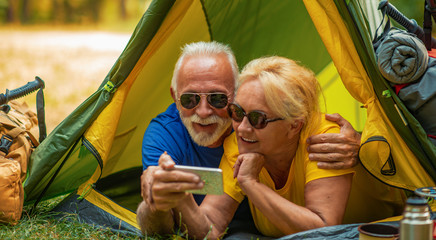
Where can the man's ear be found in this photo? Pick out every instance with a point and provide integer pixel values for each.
(173, 94)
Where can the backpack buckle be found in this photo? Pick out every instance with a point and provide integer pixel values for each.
(5, 108)
(5, 143)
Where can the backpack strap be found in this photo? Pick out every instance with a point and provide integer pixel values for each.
(32, 139)
(7, 139)
(429, 12)
(40, 112)
(427, 26)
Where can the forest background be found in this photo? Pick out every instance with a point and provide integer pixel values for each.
(110, 13)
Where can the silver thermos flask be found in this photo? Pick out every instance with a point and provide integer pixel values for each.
(416, 223)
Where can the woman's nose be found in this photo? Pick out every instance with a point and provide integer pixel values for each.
(245, 125)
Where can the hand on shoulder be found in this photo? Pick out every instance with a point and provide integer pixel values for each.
(335, 150)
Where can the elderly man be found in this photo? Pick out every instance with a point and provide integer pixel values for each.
(192, 130)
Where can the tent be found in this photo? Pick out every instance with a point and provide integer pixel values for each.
(95, 153)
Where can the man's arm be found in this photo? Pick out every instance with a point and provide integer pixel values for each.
(168, 192)
(149, 219)
(153, 221)
(335, 150)
(157, 140)
(210, 219)
(161, 190)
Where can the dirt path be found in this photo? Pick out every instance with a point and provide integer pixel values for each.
(71, 63)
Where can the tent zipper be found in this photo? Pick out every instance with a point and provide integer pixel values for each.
(94, 152)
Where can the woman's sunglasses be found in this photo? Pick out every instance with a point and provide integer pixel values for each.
(191, 100)
(257, 119)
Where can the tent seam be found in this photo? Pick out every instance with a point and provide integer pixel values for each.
(207, 20)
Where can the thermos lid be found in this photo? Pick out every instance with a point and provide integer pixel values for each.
(416, 201)
(426, 192)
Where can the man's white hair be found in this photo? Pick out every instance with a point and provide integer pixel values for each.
(204, 49)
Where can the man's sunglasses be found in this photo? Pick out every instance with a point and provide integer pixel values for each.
(191, 100)
(257, 119)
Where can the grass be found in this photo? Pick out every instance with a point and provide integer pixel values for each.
(43, 224)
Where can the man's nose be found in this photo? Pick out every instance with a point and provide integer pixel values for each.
(204, 110)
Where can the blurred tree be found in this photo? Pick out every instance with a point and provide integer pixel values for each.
(55, 11)
(94, 7)
(3, 10)
(106, 12)
(123, 10)
(25, 11)
(11, 10)
(68, 11)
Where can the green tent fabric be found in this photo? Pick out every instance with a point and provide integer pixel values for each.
(95, 153)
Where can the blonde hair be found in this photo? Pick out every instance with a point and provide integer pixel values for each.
(291, 90)
(204, 49)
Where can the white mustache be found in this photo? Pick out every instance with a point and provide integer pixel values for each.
(203, 138)
(204, 121)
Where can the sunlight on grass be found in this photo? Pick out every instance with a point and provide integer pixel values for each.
(43, 224)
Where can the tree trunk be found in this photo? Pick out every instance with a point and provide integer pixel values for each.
(123, 11)
(68, 12)
(25, 13)
(10, 14)
(95, 6)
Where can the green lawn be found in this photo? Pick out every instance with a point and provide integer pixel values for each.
(42, 224)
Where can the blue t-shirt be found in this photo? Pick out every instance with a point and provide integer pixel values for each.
(166, 132)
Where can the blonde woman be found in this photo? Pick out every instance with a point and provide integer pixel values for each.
(265, 158)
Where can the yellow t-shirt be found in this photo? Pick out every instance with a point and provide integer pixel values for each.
(302, 171)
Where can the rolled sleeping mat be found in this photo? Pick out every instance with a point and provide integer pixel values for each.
(402, 57)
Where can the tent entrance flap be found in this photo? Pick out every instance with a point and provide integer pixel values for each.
(89, 211)
(123, 187)
(68, 173)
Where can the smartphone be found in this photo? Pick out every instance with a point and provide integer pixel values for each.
(212, 177)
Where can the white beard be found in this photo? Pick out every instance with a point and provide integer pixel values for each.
(203, 138)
